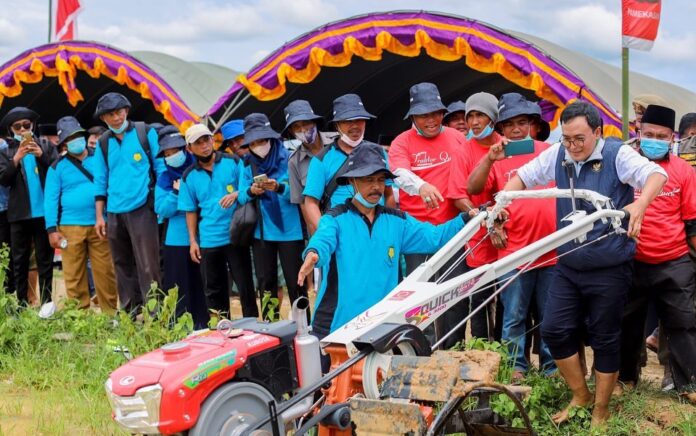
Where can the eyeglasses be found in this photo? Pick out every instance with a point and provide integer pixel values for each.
(26, 125)
(568, 142)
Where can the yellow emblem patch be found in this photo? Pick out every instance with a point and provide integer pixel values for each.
(36, 170)
(230, 189)
(597, 166)
(390, 253)
(137, 157)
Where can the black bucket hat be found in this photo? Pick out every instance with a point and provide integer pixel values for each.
(67, 127)
(513, 104)
(299, 110)
(170, 137)
(257, 126)
(424, 99)
(349, 107)
(367, 159)
(659, 115)
(453, 108)
(109, 102)
(18, 113)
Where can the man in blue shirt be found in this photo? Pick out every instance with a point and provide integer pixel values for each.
(363, 241)
(23, 169)
(70, 219)
(321, 191)
(125, 170)
(208, 194)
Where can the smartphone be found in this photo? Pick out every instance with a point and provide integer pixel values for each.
(27, 136)
(260, 178)
(516, 148)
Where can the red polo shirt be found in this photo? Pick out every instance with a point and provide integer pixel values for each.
(662, 234)
(430, 159)
(462, 166)
(530, 219)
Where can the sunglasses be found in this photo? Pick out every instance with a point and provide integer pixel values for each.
(25, 125)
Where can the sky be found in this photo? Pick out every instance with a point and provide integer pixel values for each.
(240, 33)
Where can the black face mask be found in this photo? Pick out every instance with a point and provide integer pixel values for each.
(205, 159)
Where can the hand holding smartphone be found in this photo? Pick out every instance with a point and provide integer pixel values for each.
(516, 148)
(261, 178)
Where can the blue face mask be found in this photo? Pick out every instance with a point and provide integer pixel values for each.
(654, 149)
(485, 133)
(77, 146)
(176, 160)
(119, 130)
(420, 132)
(358, 196)
(18, 138)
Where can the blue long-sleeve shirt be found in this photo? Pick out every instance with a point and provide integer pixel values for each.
(200, 191)
(69, 192)
(290, 213)
(125, 181)
(363, 257)
(167, 208)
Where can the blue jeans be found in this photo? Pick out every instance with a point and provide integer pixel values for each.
(517, 297)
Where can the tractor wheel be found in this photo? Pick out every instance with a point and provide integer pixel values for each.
(232, 409)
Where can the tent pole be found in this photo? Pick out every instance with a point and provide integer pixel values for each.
(50, 19)
(233, 107)
(624, 93)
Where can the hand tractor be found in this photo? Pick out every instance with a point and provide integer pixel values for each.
(248, 377)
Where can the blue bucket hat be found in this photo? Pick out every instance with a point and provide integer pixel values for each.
(257, 126)
(349, 107)
(68, 126)
(454, 107)
(18, 113)
(232, 129)
(367, 159)
(109, 102)
(299, 110)
(513, 104)
(424, 99)
(170, 137)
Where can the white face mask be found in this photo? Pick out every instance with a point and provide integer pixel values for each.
(345, 138)
(262, 149)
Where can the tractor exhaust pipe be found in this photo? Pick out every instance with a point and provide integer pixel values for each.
(307, 355)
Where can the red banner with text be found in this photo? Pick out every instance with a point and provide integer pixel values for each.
(640, 20)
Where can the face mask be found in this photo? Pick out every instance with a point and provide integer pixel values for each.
(77, 146)
(18, 138)
(307, 136)
(654, 149)
(205, 159)
(345, 138)
(358, 196)
(119, 130)
(485, 133)
(176, 160)
(262, 150)
(420, 132)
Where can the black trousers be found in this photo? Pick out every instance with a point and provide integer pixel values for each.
(266, 255)
(216, 264)
(134, 243)
(448, 320)
(671, 286)
(591, 303)
(22, 234)
(181, 271)
(5, 238)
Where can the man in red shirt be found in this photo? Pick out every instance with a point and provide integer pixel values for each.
(481, 115)
(663, 272)
(421, 159)
(530, 220)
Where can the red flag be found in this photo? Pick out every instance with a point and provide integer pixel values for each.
(66, 16)
(640, 20)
